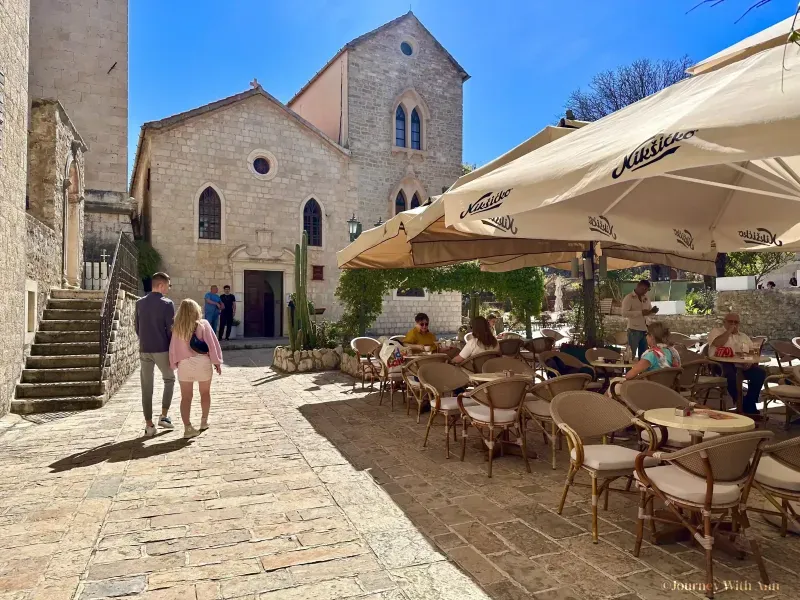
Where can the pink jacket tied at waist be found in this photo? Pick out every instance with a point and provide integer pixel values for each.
(179, 349)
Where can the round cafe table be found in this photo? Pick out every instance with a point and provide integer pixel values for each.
(741, 361)
(485, 377)
(599, 364)
(717, 421)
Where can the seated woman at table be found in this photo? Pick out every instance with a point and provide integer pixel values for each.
(659, 354)
(482, 340)
(420, 336)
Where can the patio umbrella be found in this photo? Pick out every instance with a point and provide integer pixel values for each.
(771, 37)
(707, 164)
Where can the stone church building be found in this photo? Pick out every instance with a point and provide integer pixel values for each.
(63, 163)
(224, 191)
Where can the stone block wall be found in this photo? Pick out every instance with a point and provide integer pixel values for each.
(43, 250)
(123, 357)
(14, 18)
(303, 361)
(688, 324)
(775, 314)
(443, 310)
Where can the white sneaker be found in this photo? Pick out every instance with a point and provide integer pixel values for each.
(165, 423)
(203, 425)
(149, 430)
(190, 432)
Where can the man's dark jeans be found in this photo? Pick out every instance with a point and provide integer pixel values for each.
(754, 376)
(225, 320)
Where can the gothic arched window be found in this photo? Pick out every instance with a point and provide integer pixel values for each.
(312, 222)
(416, 130)
(414, 200)
(399, 203)
(210, 215)
(400, 127)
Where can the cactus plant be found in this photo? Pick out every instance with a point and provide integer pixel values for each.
(302, 330)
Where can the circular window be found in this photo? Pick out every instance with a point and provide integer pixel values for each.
(406, 48)
(261, 165)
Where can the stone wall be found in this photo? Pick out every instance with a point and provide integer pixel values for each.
(775, 314)
(443, 310)
(688, 324)
(106, 215)
(123, 356)
(79, 56)
(303, 361)
(14, 17)
(43, 250)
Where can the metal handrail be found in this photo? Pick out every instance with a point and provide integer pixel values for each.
(123, 276)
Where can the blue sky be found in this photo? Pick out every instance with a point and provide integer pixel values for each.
(524, 56)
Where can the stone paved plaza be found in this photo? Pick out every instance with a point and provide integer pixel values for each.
(304, 488)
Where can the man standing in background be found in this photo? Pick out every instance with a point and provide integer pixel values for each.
(153, 321)
(635, 307)
(228, 312)
(212, 307)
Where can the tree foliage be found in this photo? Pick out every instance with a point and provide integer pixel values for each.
(361, 291)
(756, 263)
(612, 90)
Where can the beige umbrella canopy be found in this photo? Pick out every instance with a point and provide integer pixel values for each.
(710, 163)
(771, 37)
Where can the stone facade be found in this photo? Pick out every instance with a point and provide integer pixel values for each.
(303, 361)
(688, 324)
(14, 16)
(775, 314)
(43, 248)
(333, 143)
(443, 310)
(123, 356)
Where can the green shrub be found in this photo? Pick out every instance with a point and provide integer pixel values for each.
(701, 302)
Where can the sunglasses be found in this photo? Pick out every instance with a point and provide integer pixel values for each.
(423, 324)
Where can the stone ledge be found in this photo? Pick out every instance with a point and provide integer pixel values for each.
(303, 361)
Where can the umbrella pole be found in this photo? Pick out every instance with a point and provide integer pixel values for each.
(589, 324)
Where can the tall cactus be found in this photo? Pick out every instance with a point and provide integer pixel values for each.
(302, 330)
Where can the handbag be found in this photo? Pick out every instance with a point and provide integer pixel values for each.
(724, 352)
(198, 345)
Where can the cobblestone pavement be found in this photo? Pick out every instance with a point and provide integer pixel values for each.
(306, 489)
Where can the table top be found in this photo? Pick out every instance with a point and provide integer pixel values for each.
(725, 422)
(612, 365)
(484, 377)
(742, 360)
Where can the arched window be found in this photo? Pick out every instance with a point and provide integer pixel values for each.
(400, 127)
(416, 130)
(210, 215)
(415, 200)
(312, 222)
(399, 203)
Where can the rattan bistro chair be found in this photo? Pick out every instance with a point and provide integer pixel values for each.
(413, 387)
(474, 364)
(535, 347)
(582, 415)
(669, 378)
(368, 364)
(496, 410)
(537, 406)
(439, 381)
(702, 486)
(778, 480)
(610, 356)
(499, 364)
(571, 362)
(787, 392)
(785, 353)
(511, 347)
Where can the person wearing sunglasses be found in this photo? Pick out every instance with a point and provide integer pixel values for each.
(729, 336)
(420, 335)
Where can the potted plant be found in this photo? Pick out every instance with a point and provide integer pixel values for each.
(149, 263)
(235, 329)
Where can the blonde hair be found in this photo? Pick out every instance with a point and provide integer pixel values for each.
(659, 331)
(186, 320)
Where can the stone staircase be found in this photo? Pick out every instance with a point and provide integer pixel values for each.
(63, 372)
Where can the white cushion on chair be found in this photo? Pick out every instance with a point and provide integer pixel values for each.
(777, 475)
(678, 438)
(787, 391)
(711, 380)
(608, 457)
(537, 406)
(413, 382)
(679, 484)
(480, 412)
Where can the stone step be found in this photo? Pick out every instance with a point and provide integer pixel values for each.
(29, 406)
(77, 294)
(60, 337)
(61, 375)
(62, 389)
(60, 314)
(75, 304)
(68, 348)
(66, 361)
(70, 325)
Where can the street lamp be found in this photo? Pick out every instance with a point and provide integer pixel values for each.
(379, 222)
(354, 226)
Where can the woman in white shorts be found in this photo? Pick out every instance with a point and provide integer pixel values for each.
(194, 351)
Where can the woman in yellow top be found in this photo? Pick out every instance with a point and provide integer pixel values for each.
(420, 335)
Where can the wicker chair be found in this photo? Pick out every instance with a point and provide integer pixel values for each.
(709, 481)
(510, 335)
(581, 415)
(761, 340)
(400, 339)
(438, 382)
(511, 346)
(785, 352)
(499, 364)
(557, 336)
(413, 386)
(618, 339)
(390, 379)
(778, 480)
(642, 395)
(368, 364)
(535, 347)
(572, 362)
(537, 406)
(686, 353)
(496, 410)
(786, 392)
(681, 338)
(667, 377)
(474, 364)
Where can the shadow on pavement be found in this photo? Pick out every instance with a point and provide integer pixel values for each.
(121, 451)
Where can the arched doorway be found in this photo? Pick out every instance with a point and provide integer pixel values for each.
(72, 226)
(262, 305)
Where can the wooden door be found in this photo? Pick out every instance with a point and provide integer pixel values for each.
(254, 304)
(269, 310)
